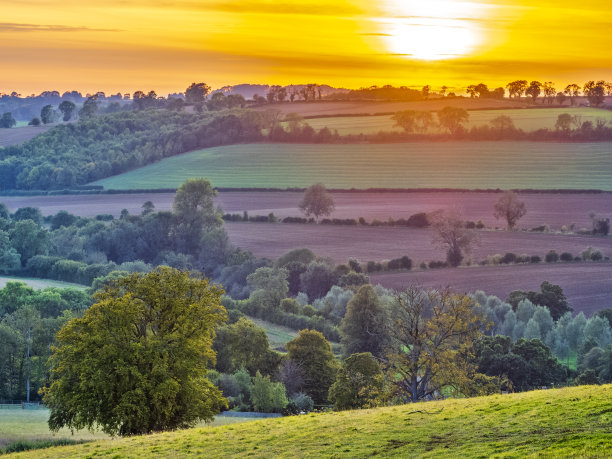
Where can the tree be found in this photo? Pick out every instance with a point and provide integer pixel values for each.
(7, 120)
(47, 114)
(534, 90)
(363, 328)
(450, 233)
(549, 91)
(89, 109)
(67, 108)
(317, 201)
(516, 88)
(503, 124)
(595, 92)
(268, 396)
(136, 361)
(359, 383)
(196, 93)
(317, 280)
(509, 208)
(573, 91)
(34, 122)
(452, 118)
(432, 334)
(313, 354)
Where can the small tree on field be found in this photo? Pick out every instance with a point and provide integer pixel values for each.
(509, 208)
(136, 361)
(452, 118)
(317, 201)
(450, 233)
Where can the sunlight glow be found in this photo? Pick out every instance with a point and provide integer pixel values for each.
(432, 29)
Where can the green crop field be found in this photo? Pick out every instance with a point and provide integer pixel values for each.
(468, 165)
(525, 119)
(572, 422)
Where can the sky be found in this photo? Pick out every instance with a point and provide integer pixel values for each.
(128, 45)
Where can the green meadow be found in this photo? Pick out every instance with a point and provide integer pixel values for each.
(571, 422)
(525, 119)
(39, 283)
(466, 165)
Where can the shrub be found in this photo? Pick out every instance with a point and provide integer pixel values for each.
(566, 256)
(418, 220)
(400, 263)
(551, 257)
(373, 267)
(508, 258)
(303, 402)
(309, 311)
(290, 305)
(535, 259)
(437, 264)
(596, 256)
(540, 229)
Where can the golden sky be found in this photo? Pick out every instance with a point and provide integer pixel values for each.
(126, 45)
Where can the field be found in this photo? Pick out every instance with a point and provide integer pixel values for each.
(572, 422)
(555, 210)
(330, 108)
(380, 243)
(278, 335)
(587, 286)
(525, 119)
(31, 425)
(468, 165)
(20, 134)
(39, 283)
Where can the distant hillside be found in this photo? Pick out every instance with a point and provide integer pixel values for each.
(15, 136)
(571, 422)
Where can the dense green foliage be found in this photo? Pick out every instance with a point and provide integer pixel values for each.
(75, 154)
(136, 362)
(30, 319)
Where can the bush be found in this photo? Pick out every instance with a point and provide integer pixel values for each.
(535, 259)
(508, 258)
(551, 257)
(437, 264)
(566, 256)
(418, 220)
(290, 305)
(373, 267)
(540, 229)
(596, 256)
(400, 263)
(303, 402)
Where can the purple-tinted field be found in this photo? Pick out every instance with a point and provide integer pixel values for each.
(18, 135)
(555, 210)
(383, 243)
(588, 286)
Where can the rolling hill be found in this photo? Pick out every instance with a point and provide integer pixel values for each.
(576, 422)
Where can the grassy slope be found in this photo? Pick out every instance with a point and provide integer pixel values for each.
(31, 425)
(565, 422)
(39, 283)
(528, 120)
(541, 165)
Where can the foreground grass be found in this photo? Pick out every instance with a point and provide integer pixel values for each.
(467, 165)
(575, 422)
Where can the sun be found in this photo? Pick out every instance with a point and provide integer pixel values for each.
(432, 29)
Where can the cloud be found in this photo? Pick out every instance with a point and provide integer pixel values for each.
(16, 27)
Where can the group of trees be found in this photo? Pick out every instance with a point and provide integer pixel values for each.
(451, 119)
(595, 92)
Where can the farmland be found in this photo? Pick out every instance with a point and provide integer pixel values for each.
(525, 119)
(468, 165)
(20, 134)
(380, 243)
(587, 286)
(330, 108)
(571, 422)
(555, 210)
